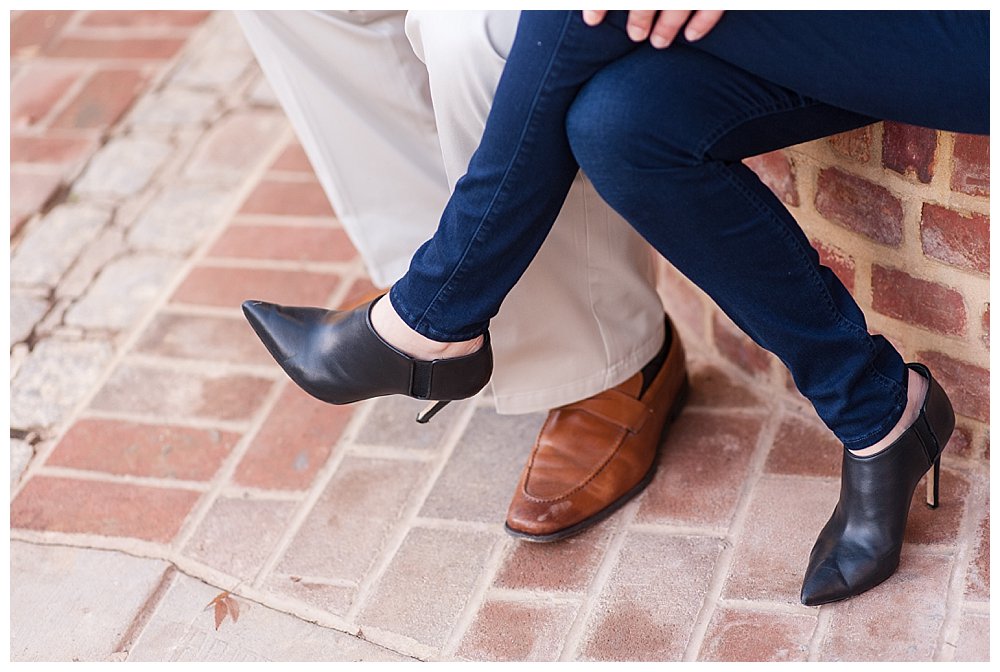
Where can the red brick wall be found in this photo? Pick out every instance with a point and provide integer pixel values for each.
(901, 215)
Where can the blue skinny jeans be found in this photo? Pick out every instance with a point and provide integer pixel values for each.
(661, 134)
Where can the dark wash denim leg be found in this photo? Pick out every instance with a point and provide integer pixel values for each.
(661, 133)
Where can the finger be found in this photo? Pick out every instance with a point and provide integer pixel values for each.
(667, 26)
(701, 23)
(592, 17)
(639, 22)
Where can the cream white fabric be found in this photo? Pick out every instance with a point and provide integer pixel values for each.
(358, 88)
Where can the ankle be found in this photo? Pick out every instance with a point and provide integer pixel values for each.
(391, 328)
(916, 391)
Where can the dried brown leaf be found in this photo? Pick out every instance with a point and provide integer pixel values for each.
(220, 613)
(234, 608)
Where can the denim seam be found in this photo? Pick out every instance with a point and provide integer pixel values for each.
(877, 376)
(422, 325)
(881, 379)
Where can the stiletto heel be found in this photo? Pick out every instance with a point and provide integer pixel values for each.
(431, 410)
(933, 478)
(859, 546)
(338, 357)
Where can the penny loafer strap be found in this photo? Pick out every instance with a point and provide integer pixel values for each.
(617, 408)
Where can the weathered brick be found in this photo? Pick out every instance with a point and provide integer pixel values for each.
(32, 30)
(180, 218)
(37, 89)
(967, 385)
(261, 94)
(53, 379)
(160, 48)
(804, 448)
(159, 451)
(391, 423)
(203, 337)
(336, 599)
(480, 476)
(429, 580)
(856, 144)
(294, 442)
(238, 535)
(712, 386)
(29, 192)
(122, 168)
(649, 615)
(960, 443)
(917, 301)
(216, 69)
(98, 253)
(737, 347)
(144, 18)
(218, 286)
(700, 472)
(776, 171)
(736, 635)
(974, 639)
(216, 65)
(67, 152)
(275, 197)
(290, 243)
(566, 567)
(838, 261)
(514, 631)
(234, 144)
(909, 150)
(166, 393)
(348, 527)
(103, 99)
(941, 525)
(977, 580)
(174, 108)
(772, 548)
(684, 302)
(293, 159)
(970, 173)
(859, 205)
(986, 325)
(905, 613)
(21, 453)
(98, 507)
(122, 292)
(956, 239)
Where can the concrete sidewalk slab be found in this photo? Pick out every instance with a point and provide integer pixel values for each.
(75, 603)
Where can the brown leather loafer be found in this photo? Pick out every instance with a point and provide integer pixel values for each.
(593, 456)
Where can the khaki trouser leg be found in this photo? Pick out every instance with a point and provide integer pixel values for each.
(585, 316)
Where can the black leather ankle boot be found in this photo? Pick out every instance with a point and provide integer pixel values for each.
(338, 357)
(859, 546)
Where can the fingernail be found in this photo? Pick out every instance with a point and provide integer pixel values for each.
(692, 35)
(590, 17)
(636, 33)
(659, 41)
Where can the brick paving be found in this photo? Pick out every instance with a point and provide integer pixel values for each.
(159, 457)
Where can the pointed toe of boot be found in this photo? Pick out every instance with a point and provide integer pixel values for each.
(282, 329)
(824, 583)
